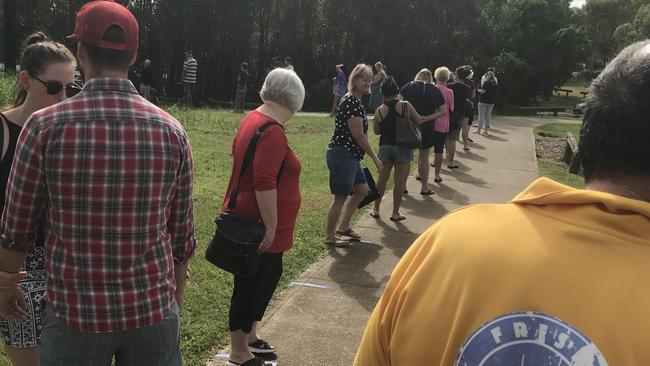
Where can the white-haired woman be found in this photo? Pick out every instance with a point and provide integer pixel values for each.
(376, 98)
(268, 191)
(344, 154)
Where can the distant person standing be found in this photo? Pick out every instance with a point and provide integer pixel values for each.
(276, 62)
(487, 99)
(242, 88)
(189, 78)
(288, 63)
(340, 87)
(485, 76)
(459, 116)
(376, 99)
(443, 122)
(145, 80)
(469, 106)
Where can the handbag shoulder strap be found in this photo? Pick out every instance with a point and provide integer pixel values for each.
(404, 113)
(248, 159)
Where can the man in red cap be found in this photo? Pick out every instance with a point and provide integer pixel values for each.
(110, 175)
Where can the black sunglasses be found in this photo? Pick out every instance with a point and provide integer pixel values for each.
(54, 87)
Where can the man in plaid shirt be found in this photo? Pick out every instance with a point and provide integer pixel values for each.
(110, 175)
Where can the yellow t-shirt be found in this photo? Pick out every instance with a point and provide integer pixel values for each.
(558, 276)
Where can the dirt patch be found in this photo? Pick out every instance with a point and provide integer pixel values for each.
(551, 149)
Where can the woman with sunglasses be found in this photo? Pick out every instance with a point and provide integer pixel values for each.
(46, 77)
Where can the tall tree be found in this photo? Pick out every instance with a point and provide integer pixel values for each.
(9, 15)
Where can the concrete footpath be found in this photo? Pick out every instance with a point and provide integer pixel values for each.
(320, 319)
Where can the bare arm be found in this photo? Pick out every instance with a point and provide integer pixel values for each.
(355, 125)
(378, 114)
(267, 202)
(415, 116)
(440, 111)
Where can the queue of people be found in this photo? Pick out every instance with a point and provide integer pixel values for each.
(448, 109)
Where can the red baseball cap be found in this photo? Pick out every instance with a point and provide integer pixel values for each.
(94, 19)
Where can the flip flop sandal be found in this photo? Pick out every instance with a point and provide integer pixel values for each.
(437, 180)
(337, 243)
(398, 218)
(261, 346)
(466, 148)
(427, 193)
(349, 233)
(373, 214)
(252, 362)
(455, 166)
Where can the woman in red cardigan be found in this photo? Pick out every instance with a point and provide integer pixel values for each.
(269, 191)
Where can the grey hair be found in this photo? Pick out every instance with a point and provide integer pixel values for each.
(284, 87)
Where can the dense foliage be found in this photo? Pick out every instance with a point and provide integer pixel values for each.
(535, 44)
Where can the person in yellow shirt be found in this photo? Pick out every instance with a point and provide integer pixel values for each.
(557, 276)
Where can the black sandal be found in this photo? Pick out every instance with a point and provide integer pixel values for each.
(455, 166)
(428, 193)
(261, 346)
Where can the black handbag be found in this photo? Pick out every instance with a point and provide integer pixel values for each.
(407, 133)
(373, 193)
(236, 240)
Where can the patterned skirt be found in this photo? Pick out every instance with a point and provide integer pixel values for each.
(28, 333)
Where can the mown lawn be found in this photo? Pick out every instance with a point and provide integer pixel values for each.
(205, 319)
(548, 168)
(558, 130)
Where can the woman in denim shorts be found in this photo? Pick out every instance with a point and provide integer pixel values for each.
(344, 154)
(391, 154)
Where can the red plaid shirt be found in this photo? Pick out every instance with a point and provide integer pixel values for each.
(110, 175)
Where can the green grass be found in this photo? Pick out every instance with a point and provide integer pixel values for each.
(560, 174)
(548, 168)
(205, 319)
(6, 90)
(558, 130)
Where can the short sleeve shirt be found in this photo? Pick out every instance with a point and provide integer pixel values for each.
(426, 98)
(349, 107)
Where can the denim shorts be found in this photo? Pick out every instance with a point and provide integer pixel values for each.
(395, 154)
(345, 171)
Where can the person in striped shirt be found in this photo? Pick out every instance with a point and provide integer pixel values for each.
(189, 78)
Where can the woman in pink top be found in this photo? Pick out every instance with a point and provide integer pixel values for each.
(442, 123)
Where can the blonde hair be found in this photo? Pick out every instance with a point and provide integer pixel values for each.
(284, 87)
(442, 74)
(424, 75)
(357, 73)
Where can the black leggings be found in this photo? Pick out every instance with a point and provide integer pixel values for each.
(251, 296)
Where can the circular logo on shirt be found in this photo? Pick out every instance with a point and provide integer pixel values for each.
(529, 338)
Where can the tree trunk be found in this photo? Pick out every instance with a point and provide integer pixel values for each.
(9, 7)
